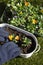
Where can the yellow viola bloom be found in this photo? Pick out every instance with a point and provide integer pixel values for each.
(17, 38)
(21, 12)
(10, 37)
(27, 3)
(34, 21)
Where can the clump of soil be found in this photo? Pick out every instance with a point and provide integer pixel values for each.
(25, 49)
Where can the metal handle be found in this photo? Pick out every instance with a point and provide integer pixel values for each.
(37, 50)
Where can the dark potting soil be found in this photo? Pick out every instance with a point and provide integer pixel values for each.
(26, 49)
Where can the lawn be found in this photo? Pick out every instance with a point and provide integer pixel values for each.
(36, 59)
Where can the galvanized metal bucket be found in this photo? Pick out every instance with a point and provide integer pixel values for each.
(29, 35)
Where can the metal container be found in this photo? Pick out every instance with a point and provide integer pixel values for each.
(29, 35)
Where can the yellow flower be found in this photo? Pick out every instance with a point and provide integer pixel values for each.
(17, 38)
(26, 3)
(34, 21)
(41, 10)
(10, 37)
(21, 12)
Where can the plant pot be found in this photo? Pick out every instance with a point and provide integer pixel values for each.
(35, 47)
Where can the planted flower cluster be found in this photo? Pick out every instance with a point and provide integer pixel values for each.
(25, 16)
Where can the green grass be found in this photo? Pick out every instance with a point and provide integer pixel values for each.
(36, 59)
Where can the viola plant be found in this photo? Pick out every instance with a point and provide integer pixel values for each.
(26, 16)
